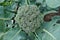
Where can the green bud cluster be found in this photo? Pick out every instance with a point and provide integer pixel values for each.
(28, 18)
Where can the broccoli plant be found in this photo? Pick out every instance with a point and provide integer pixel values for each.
(29, 20)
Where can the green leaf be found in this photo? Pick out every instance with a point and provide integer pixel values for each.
(14, 34)
(53, 3)
(4, 14)
(1, 25)
(1, 11)
(39, 1)
(2, 28)
(50, 30)
(12, 7)
(2, 1)
(53, 28)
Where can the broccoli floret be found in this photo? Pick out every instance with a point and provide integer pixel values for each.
(28, 18)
